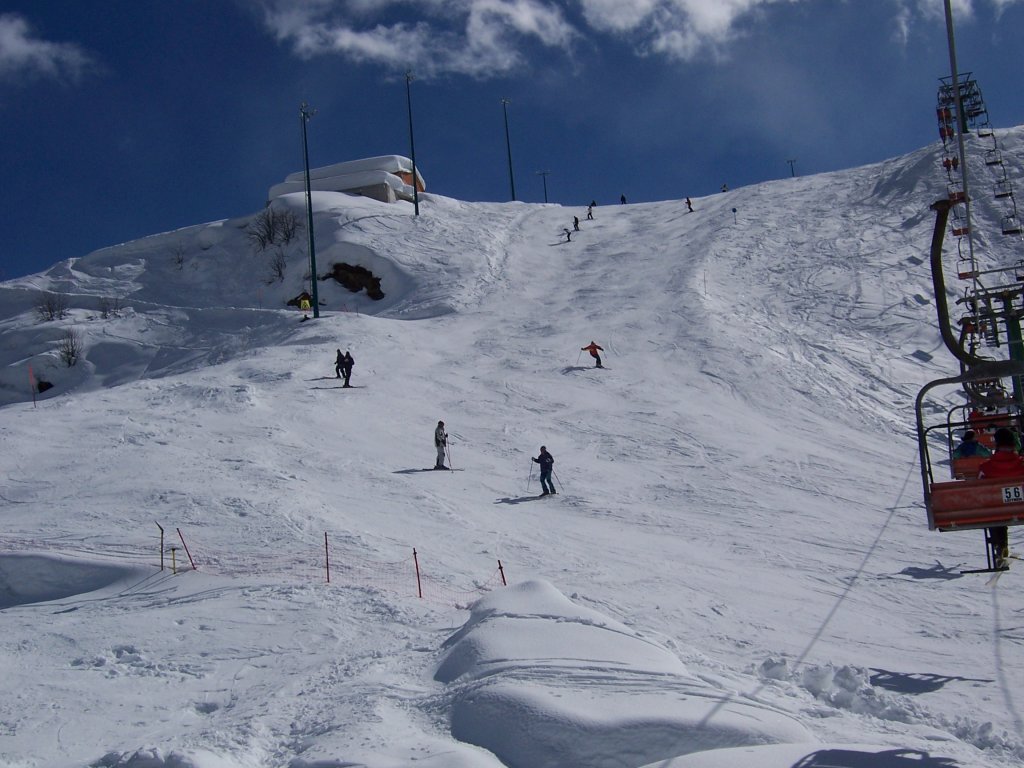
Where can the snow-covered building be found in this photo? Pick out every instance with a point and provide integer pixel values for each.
(387, 178)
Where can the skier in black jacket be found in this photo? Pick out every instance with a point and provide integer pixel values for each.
(347, 361)
(546, 461)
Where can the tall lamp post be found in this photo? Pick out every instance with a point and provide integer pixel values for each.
(544, 176)
(412, 145)
(508, 146)
(305, 113)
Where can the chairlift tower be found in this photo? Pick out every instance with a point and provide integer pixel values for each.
(994, 301)
(986, 339)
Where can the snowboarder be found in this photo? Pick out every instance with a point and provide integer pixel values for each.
(576, 223)
(546, 461)
(339, 360)
(689, 206)
(347, 361)
(568, 235)
(440, 442)
(622, 199)
(593, 349)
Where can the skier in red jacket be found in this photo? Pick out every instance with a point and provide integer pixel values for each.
(593, 349)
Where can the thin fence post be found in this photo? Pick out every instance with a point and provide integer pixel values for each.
(502, 572)
(174, 561)
(161, 545)
(193, 562)
(419, 584)
(327, 558)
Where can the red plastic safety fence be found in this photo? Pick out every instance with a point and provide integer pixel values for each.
(415, 575)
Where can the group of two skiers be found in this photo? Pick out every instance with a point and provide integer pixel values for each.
(343, 366)
(546, 460)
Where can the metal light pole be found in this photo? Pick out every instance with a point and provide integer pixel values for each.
(508, 146)
(412, 145)
(544, 175)
(305, 113)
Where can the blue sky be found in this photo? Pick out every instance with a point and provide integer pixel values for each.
(126, 118)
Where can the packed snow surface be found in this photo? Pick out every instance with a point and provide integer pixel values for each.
(736, 570)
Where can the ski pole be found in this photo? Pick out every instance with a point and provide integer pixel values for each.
(557, 479)
(529, 478)
(448, 450)
(578, 357)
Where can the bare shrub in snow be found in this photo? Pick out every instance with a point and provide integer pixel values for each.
(70, 347)
(52, 306)
(109, 306)
(273, 227)
(278, 265)
(178, 255)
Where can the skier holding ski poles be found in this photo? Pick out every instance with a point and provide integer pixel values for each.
(546, 461)
(440, 442)
(593, 349)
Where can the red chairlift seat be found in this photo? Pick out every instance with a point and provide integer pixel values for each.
(964, 504)
(966, 467)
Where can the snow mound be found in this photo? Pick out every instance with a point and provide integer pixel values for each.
(32, 578)
(541, 681)
(819, 756)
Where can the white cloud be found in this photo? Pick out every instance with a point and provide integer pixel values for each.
(22, 55)
(934, 12)
(678, 29)
(901, 26)
(488, 37)
(470, 37)
(936, 9)
(1001, 5)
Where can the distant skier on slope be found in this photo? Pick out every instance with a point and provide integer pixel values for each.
(593, 349)
(568, 235)
(546, 461)
(339, 360)
(440, 442)
(305, 306)
(622, 199)
(347, 361)
(689, 206)
(576, 223)
(590, 212)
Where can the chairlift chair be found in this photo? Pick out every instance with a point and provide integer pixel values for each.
(965, 502)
